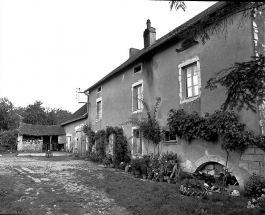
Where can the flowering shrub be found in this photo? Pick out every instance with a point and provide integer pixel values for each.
(254, 187)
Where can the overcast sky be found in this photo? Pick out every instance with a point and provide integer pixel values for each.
(48, 48)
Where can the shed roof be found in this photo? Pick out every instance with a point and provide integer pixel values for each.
(81, 113)
(174, 33)
(40, 130)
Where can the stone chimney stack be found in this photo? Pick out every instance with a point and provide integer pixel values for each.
(149, 35)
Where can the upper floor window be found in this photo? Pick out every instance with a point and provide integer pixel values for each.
(189, 80)
(99, 90)
(99, 109)
(137, 69)
(137, 97)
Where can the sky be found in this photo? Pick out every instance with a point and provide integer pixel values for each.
(49, 48)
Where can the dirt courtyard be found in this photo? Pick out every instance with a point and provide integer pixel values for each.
(58, 186)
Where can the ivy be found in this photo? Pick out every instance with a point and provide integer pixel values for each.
(221, 125)
(101, 138)
(91, 136)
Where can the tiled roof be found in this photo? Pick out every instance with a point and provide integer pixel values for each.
(40, 130)
(81, 113)
(162, 40)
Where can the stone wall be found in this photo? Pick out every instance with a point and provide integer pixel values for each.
(253, 160)
(32, 146)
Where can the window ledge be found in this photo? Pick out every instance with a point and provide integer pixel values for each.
(137, 111)
(171, 142)
(97, 120)
(187, 100)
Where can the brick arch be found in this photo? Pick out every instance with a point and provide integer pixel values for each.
(218, 159)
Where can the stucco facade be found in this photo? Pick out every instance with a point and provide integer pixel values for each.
(160, 76)
(76, 140)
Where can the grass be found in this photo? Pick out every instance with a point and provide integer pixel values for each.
(9, 197)
(158, 198)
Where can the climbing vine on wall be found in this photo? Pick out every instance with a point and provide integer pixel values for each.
(221, 125)
(149, 126)
(101, 138)
(91, 136)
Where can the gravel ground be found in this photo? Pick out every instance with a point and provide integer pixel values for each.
(58, 187)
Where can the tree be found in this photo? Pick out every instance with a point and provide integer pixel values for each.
(35, 114)
(58, 115)
(6, 110)
(244, 83)
(217, 23)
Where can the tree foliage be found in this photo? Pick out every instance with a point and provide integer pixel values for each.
(36, 114)
(8, 139)
(6, 114)
(244, 83)
(217, 22)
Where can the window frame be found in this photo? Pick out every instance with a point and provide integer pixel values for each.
(98, 116)
(140, 82)
(170, 140)
(183, 79)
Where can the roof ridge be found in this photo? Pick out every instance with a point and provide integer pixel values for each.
(161, 40)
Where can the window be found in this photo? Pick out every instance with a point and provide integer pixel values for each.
(99, 109)
(191, 77)
(137, 96)
(137, 69)
(99, 90)
(189, 80)
(137, 148)
(169, 137)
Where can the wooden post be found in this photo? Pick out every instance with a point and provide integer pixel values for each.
(50, 143)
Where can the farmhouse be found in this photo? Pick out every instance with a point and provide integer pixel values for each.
(176, 69)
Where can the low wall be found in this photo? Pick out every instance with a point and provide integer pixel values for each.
(31, 146)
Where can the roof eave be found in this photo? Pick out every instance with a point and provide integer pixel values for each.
(75, 119)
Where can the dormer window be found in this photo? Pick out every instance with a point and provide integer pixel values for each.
(187, 44)
(137, 69)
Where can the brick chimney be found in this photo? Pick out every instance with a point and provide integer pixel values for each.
(149, 35)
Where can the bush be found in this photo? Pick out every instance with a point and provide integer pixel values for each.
(95, 156)
(136, 165)
(255, 185)
(107, 160)
(8, 139)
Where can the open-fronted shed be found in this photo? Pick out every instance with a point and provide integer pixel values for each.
(39, 138)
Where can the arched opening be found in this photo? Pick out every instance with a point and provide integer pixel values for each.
(201, 162)
(215, 172)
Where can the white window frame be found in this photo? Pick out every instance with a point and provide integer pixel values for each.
(98, 118)
(135, 73)
(140, 82)
(183, 92)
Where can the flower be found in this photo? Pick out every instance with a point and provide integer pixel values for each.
(252, 206)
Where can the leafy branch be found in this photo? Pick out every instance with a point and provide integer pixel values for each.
(244, 83)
